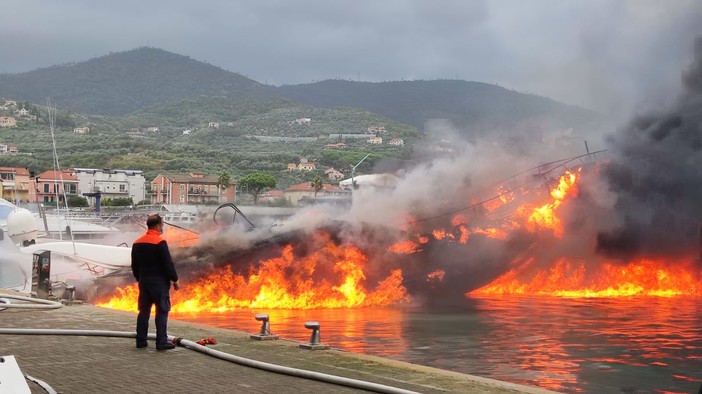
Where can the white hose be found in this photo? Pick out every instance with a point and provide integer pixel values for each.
(300, 373)
(41, 383)
(30, 303)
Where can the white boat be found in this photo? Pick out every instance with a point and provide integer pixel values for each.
(71, 261)
(56, 226)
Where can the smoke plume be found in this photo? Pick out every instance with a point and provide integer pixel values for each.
(655, 175)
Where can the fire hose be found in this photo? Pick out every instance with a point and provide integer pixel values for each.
(30, 303)
(279, 369)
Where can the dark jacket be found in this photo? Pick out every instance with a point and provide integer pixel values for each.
(151, 258)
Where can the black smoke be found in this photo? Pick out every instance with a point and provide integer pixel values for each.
(656, 174)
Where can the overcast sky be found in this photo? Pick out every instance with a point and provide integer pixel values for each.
(603, 54)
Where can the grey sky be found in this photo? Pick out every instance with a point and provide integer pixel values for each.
(606, 55)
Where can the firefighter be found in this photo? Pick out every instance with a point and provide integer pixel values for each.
(153, 268)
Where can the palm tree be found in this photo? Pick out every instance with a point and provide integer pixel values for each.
(317, 185)
(223, 182)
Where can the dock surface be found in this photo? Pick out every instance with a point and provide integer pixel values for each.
(87, 364)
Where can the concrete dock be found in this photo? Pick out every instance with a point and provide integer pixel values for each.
(87, 364)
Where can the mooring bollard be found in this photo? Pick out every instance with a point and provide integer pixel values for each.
(315, 338)
(265, 333)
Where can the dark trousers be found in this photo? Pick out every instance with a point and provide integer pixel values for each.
(153, 291)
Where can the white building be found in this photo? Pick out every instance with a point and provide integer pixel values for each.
(112, 183)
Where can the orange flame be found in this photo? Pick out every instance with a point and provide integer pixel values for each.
(330, 277)
(404, 247)
(437, 275)
(545, 216)
(180, 238)
(578, 279)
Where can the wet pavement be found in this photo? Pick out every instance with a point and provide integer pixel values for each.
(89, 364)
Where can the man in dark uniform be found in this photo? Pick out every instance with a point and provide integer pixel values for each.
(154, 270)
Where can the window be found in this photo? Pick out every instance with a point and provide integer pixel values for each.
(46, 188)
(182, 199)
(122, 188)
(182, 187)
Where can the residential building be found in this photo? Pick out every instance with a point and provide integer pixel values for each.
(23, 112)
(295, 193)
(3, 149)
(50, 186)
(397, 142)
(302, 121)
(376, 129)
(339, 145)
(292, 166)
(12, 149)
(7, 121)
(152, 129)
(111, 183)
(350, 136)
(187, 132)
(307, 166)
(333, 174)
(15, 184)
(81, 130)
(213, 125)
(271, 196)
(375, 140)
(191, 188)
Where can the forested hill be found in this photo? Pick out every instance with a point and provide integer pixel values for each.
(468, 105)
(125, 82)
(134, 81)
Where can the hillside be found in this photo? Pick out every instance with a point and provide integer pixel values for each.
(471, 106)
(120, 95)
(249, 136)
(126, 82)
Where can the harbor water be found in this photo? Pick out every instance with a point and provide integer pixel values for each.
(586, 345)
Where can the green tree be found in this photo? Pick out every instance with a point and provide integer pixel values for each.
(317, 184)
(77, 201)
(122, 202)
(256, 182)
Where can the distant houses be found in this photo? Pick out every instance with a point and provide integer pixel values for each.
(333, 174)
(6, 149)
(301, 121)
(295, 193)
(81, 130)
(303, 166)
(7, 121)
(397, 142)
(192, 188)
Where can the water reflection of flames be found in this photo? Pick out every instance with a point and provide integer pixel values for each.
(333, 276)
(569, 278)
